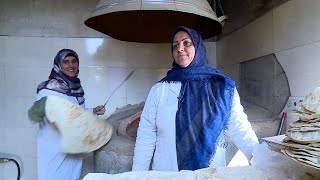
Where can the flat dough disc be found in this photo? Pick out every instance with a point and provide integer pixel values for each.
(81, 131)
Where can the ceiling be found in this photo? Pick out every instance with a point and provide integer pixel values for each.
(242, 12)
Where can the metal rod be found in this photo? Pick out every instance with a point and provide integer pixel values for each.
(284, 115)
(129, 75)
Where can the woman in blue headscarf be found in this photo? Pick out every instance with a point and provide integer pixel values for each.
(190, 112)
(63, 82)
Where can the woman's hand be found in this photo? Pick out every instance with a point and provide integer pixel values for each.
(99, 110)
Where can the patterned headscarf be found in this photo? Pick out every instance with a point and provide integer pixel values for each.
(60, 82)
(203, 109)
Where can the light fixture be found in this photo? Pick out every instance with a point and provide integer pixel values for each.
(152, 21)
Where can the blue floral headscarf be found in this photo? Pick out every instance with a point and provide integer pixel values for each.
(203, 109)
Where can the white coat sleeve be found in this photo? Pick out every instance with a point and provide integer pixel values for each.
(240, 130)
(146, 134)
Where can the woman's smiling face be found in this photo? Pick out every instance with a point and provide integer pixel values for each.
(183, 50)
(70, 66)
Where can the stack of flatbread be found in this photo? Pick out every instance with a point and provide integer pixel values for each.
(302, 143)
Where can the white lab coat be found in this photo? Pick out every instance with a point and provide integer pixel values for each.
(52, 163)
(156, 131)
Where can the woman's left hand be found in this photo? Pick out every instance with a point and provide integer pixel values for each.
(99, 110)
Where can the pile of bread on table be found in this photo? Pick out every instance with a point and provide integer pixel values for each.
(302, 141)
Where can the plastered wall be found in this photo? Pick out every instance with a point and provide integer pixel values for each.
(291, 32)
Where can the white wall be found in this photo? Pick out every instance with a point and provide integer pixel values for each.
(46, 18)
(292, 32)
(31, 33)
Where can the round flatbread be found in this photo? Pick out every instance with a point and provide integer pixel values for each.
(303, 159)
(301, 110)
(81, 131)
(307, 117)
(312, 101)
(304, 136)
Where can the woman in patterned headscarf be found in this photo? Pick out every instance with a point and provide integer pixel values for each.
(188, 113)
(63, 82)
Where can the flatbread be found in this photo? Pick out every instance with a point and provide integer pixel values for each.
(299, 123)
(282, 141)
(315, 124)
(304, 129)
(301, 110)
(304, 136)
(81, 131)
(315, 116)
(305, 160)
(315, 145)
(302, 140)
(312, 101)
(227, 173)
(307, 152)
(310, 120)
(292, 144)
